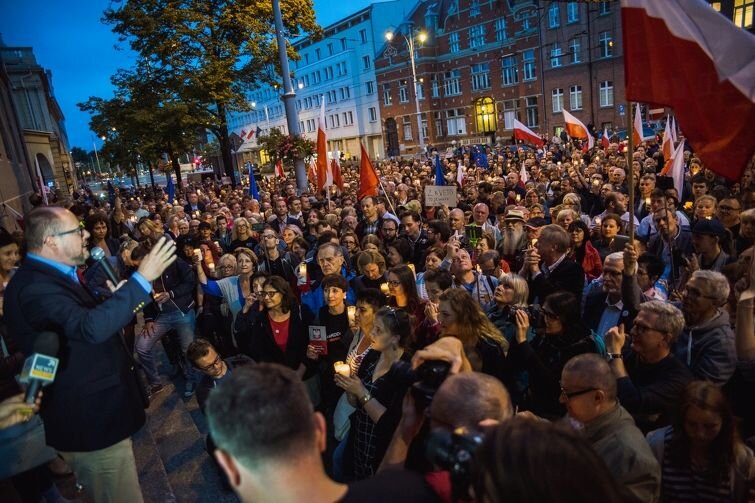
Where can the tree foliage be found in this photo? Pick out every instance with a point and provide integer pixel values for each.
(206, 56)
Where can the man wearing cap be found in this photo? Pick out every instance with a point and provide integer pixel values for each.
(514, 238)
(706, 240)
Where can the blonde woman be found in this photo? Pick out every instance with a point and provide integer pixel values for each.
(242, 235)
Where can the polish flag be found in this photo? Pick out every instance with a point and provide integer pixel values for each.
(368, 180)
(712, 90)
(324, 176)
(523, 176)
(522, 132)
(673, 130)
(576, 129)
(676, 170)
(604, 140)
(312, 172)
(279, 169)
(335, 171)
(637, 130)
(459, 174)
(667, 147)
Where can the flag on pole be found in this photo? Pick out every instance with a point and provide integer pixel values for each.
(576, 129)
(604, 139)
(677, 168)
(522, 132)
(713, 89)
(673, 129)
(258, 131)
(322, 151)
(439, 176)
(368, 180)
(171, 189)
(459, 174)
(637, 130)
(335, 168)
(667, 148)
(279, 169)
(523, 175)
(312, 171)
(253, 184)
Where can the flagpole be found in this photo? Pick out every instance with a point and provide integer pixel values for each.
(630, 175)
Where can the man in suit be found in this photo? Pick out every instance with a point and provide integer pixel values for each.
(95, 403)
(547, 267)
(194, 207)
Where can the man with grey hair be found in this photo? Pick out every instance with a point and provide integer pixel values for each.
(588, 390)
(707, 344)
(547, 267)
(649, 378)
(612, 300)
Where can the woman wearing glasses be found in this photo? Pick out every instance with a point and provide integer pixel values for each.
(242, 235)
(279, 332)
(377, 392)
(563, 336)
(350, 241)
(402, 291)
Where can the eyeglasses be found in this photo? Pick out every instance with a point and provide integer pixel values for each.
(640, 329)
(694, 293)
(394, 283)
(215, 362)
(265, 293)
(269, 236)
(570, 395)
(80, 230)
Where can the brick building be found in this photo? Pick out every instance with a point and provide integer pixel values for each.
(486, 62)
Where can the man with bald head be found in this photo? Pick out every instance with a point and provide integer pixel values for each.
(588, 391)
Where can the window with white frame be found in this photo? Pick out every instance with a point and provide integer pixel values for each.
(556, 54)
(407, 127)
(477, 36)
(387, 98)
(575, 50)
(419, 88)
(363, 36)
(480, 76)
(452, 83)
(372, 114)
(557, 96)
(330, 97)
(348, 118)
(572, 12)
(316, 77)
(554, 16)
(500, 30)
(310, 125)
(510, 112)
(345, 93)
(510, 70)
(457, 123)
(301, 126)
(530, 104)
(605, 42)
(575, 97)
(743, 13)
(474, 8)
(370, 85)
(453, 42)
(342, 69)
(366, 62)
(604, 8)
(438, 119)
(330, 49)
(424, 126)
(528, 64)
(328, 73)
(435, 85)
(403, 94)
(605, 92)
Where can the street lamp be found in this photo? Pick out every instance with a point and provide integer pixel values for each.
(422, 37)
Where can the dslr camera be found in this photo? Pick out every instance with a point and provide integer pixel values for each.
(424, 380)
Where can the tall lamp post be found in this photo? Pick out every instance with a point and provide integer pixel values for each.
(422, 37)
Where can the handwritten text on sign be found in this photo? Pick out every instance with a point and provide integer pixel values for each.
(440, 195)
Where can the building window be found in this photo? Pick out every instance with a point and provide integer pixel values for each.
(407, 127)
(605, 42)
(330, 49)
(438, 124)
(424, 127)
(556, 53)
(328, 73)
(372, 114)
(531, 109)
(575, 97)
(510, 70)
(604, 8)
(435, 85)
(500, 30)
(528, 60)
(575, 50)
(474, 8)
(457, 123)
(306, 59)
(453, 42)
(342, 69)
(558, 100)
(310, 125)
(476, 36)
(301, 126)
(452, 83)
(510, 112)
(553, 16)
(387, 99)
(572, 12)
(420, 90)
(365, 62)
(480, 76)
(403, 95)
(330, 97)
(743, 13)
(348, 118)
(343, 44)
(606, 93)
(363, 36)
(370, 87)
(345, 93)
(316, 77)
(318, 55)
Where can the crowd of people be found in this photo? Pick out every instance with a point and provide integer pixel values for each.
(540, 337)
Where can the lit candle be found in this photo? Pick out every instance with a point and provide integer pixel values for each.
(518, 198)
(411, 266)
(351, 312)
(384, 288)
(342, 369)
(198, 253)
(597, 221)
(302, 269)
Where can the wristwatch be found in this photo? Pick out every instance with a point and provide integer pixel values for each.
(364, 399)
(614, 356)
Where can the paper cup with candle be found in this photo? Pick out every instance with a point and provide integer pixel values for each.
(342, 368)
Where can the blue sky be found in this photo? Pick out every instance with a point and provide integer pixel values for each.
(82, 53)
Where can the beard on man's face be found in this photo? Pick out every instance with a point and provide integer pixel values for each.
(512, 237)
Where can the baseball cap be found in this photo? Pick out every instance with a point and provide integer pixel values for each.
(710, 227)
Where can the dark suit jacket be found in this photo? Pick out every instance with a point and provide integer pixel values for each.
(95, 400)
(595, 303)
(188, 210)
(568, 276)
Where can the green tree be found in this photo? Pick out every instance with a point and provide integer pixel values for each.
(211, 53)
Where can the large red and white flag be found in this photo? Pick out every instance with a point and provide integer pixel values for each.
(279, 169)
(676, 170)
(324, 175)
(638, 132)
(667, 147)
(576, 129)
(368, 180)
(712, 90)
(522, 132)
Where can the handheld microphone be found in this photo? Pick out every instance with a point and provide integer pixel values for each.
(99, 255)
(39, 370)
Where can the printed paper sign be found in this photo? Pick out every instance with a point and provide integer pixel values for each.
(318, 339)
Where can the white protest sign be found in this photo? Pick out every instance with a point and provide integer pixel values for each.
(440, 195)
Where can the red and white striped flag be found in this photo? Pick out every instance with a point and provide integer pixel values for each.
(576, 129)
(604, 139)
(667, 148)
(522, 132)
(312, 172)
(335, 172)
(712, 90)
(523, 175)
(459, 174)
(279, 169)
(637, 130)
(676, 170)
(324, 176)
